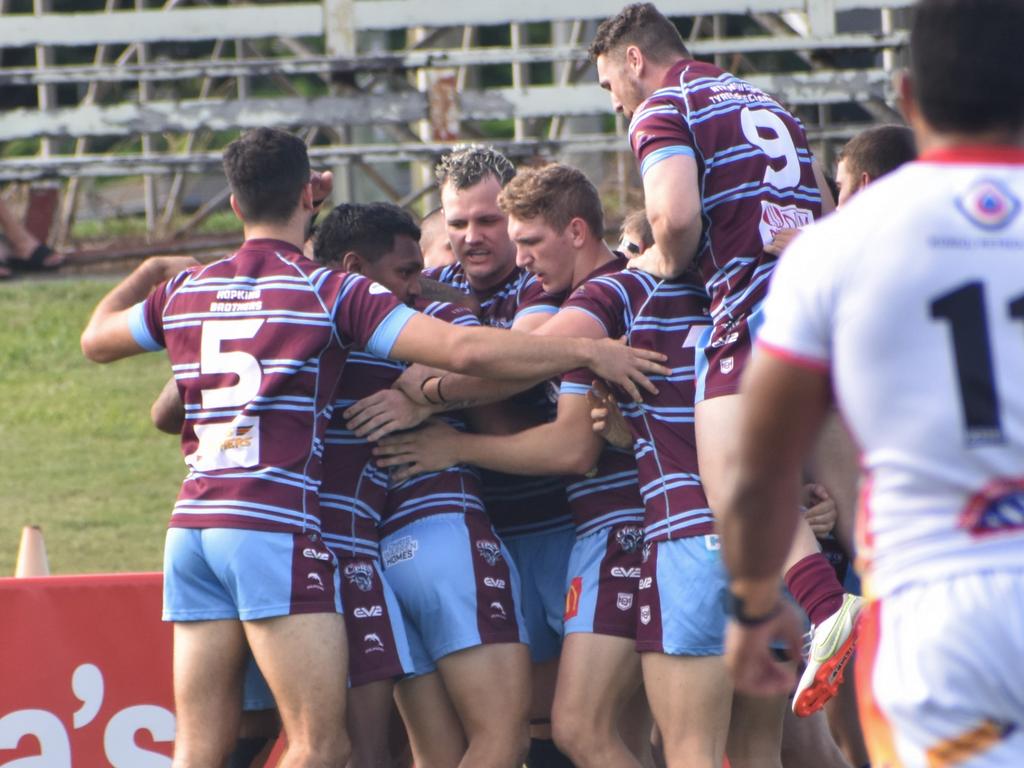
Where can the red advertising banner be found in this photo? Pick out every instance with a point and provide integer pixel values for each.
(85, 673)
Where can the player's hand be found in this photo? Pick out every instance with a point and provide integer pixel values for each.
(322, 183)
(429, 449)
(755, 667)
(655, 263)
(411, 381)
(781, 241)
(384, 412)
(821, 512)
(606, 418)
(627, 366)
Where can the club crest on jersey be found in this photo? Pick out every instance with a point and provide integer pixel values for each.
(360, 574)
(988, 204)
(629, 538)
(489, 551)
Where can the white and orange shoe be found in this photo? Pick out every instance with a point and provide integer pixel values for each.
(831, 648)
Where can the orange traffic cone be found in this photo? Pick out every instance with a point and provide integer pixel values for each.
(32, 554)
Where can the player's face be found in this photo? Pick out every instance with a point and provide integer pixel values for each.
(615, 76)
(478, 232)
(847, 183)
(437, 248)
(399, 269)
(544, 252)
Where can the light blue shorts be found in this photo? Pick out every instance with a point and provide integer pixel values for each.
(543, 562)
(682, 598)
(232, 573)
(601, 590)
(456, 585)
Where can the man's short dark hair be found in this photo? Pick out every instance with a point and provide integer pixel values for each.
(555, 193)
(965, 64)
(469, 164)
(267, 169)
(644, 26)
(878, 151)
(368, 229)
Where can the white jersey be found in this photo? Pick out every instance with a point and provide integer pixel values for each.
(912, 297)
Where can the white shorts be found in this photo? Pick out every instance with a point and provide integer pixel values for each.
(940, 673)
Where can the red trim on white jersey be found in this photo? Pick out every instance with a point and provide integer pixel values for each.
(975, 153)
(801, 361)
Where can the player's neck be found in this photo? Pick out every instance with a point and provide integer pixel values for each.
(595, 255)
(293, 232)
(931, 141)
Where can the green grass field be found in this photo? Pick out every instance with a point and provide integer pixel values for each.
(77, 453)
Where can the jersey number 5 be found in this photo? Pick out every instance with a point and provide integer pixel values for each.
(214, 360)
(964, 308)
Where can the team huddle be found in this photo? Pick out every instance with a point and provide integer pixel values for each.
(542, 494)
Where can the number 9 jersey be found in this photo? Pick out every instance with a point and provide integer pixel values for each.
(754, 171)
(912, 298)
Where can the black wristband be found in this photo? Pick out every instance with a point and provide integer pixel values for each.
(440, 396)
(735, 608)
(423, 390)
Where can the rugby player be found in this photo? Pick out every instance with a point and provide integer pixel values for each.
(434, 242)
(556, 224)
(724, 168)
(250, 504)
(934, 250)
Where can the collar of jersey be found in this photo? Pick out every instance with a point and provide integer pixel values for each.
(975, 153)
(271, 244)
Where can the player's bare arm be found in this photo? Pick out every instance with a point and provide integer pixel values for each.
(672, 195)
(785, 405)
(564, 446)
(167, 412)
(108, 337)
(606, 418)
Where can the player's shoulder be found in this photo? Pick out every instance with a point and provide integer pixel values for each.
(448, 311)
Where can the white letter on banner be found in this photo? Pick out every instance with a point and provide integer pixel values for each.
(87, 683)
(54, 747)
(119, 738)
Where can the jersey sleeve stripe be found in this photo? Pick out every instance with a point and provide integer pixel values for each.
(664, 153)
(139, 329)
(387, 332)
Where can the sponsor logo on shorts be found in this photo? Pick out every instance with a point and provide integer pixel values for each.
(313, 581)
(711, 542)
(625, 573)
(373, 643)
(496, 583)
(316, 554)
(572, 598)
(645, 582)
(624, 601)
(399, 550)
(498, 611)
(360, 574)
(729, 338)
(726, 365)
(630, 538)
(374, 611)
(646, 552)
(645, 614)
(489, 551)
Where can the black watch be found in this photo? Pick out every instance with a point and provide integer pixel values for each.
(735, 608)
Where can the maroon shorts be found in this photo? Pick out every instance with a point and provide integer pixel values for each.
(723, 352)
(377, 645)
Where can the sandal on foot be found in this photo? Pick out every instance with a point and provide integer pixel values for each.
(36, 262)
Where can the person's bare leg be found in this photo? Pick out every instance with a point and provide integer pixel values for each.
(636, 725)
(755, 735)
(22, 241)
(209, 663)
(597, 676)
(835, 463)
(489, 686)
(691, 699)
(304, 658)
(543, 682)
(807, 743)
(435, 733)
(369, 716)
(844, 719)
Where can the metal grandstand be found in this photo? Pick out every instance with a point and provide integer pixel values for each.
(129, 88)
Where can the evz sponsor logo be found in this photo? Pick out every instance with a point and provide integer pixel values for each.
(629, 538)
(624, 601)
(399, 550)
(625, 573)
(729, 338)
(645, 614)
(489, 551)
(496, 583)
(360, 574)
(498, 611)
(373, 643)
(314, 582)
(645, 582)
(315, 554)
(372, 612)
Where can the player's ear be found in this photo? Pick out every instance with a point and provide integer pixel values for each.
(907, 100)
(634, 59)
(352, 262)
(235, 207)
(577, 232)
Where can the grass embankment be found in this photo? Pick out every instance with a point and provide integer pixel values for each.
(77, 453)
